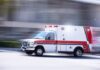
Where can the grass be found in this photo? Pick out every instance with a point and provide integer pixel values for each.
(10, 44)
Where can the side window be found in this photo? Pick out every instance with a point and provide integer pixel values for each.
(50, 36)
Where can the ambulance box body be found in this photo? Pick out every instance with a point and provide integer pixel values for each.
(64, 39)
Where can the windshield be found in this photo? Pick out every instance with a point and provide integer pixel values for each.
(41, 35)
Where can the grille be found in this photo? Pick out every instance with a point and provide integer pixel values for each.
(25, 44)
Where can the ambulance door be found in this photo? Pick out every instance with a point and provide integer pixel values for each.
(51, 43)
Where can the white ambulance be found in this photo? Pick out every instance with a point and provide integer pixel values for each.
(64, 39)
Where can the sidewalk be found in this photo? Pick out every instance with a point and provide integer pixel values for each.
(9, 49)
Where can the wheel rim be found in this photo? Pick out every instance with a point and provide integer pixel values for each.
(39, 51)
(79, 53)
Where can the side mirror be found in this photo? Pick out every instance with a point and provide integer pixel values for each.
(49, 38)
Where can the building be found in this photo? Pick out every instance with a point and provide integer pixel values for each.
(39, 12)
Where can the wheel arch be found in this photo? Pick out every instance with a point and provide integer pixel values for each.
(40, 46)
(79, 47)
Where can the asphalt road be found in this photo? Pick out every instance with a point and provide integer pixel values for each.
(12, 59)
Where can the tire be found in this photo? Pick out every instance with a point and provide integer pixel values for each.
(39, 51)
(78, 52)
(29, 52)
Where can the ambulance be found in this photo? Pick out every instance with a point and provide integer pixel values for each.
(66, 39)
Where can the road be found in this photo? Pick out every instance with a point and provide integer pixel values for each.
(16, 60)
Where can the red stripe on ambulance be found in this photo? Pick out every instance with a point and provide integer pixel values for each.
(84, 43)
(88, 34)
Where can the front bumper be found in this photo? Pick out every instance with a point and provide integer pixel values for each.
(28, 49)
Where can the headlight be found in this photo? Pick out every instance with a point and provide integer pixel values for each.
(31, 44)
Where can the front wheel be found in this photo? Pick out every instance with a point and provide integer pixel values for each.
(39, 51)
(78, 52)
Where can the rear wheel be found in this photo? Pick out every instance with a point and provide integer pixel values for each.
(78, 52)
(39, 51)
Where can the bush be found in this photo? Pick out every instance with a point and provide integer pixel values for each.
(10, 44)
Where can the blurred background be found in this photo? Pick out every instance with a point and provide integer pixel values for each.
(21, 18)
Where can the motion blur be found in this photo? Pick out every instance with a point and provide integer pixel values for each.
(21, 18)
